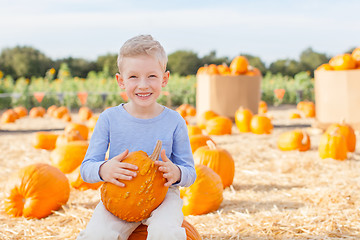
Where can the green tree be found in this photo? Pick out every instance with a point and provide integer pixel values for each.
(212, 59)
(107, 64)
(78, 67)
(287, 67)
(24, 61)
(183, 62)
(310, 60)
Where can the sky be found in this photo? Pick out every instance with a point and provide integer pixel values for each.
(271, 30)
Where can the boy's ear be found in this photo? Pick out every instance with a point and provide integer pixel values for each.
(165, 79)
(120, 80)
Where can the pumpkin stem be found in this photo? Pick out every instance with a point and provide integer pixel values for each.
(211, 144)
(305, 138)
(155, 155)
(342, 121)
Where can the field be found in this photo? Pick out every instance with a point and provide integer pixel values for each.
(275, 194)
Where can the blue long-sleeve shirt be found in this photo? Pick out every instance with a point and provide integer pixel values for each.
(119, 130)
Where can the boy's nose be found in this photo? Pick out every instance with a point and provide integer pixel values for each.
(143, 83)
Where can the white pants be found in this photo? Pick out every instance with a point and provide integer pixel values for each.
(164, 222)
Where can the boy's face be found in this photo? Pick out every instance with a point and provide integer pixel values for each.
(142, 78)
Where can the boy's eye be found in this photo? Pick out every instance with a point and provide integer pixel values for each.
(152, 76)
(132, 77)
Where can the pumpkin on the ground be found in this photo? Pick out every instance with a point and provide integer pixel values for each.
(198, 140)
(35, 191)
(243, 118)
(218, 159)
(347, 131)
(193, 130)
(219, 125)
(294, 140)
(82, 128)
(261, 124)
(68, 136)
(333, 145)
(205, 194)
(67, 157)
(142, 194)
(204, 117)
(140, 233)
(44, 140)
(294, 115)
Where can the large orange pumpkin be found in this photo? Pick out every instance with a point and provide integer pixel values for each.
(82, 128)
(309, 109)
(260, 124)
(347, 131)
(35, 191)
(67, 157)
(243, 118)
(140, 233)
(142, 194)
(204, 117)
(68, 136)
(219, 125)
(193, 130)
(294, 140)
(333, 145)
(205, 194)
(239, 65)
(198, 140)
(218, 159)
(44, 140)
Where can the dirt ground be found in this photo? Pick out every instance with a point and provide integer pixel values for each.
(275, 194)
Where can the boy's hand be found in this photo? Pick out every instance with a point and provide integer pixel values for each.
(171, 172)
(114, 170)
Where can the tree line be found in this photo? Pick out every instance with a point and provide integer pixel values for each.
(26, 61)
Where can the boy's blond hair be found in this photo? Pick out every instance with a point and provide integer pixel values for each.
(142, 45)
